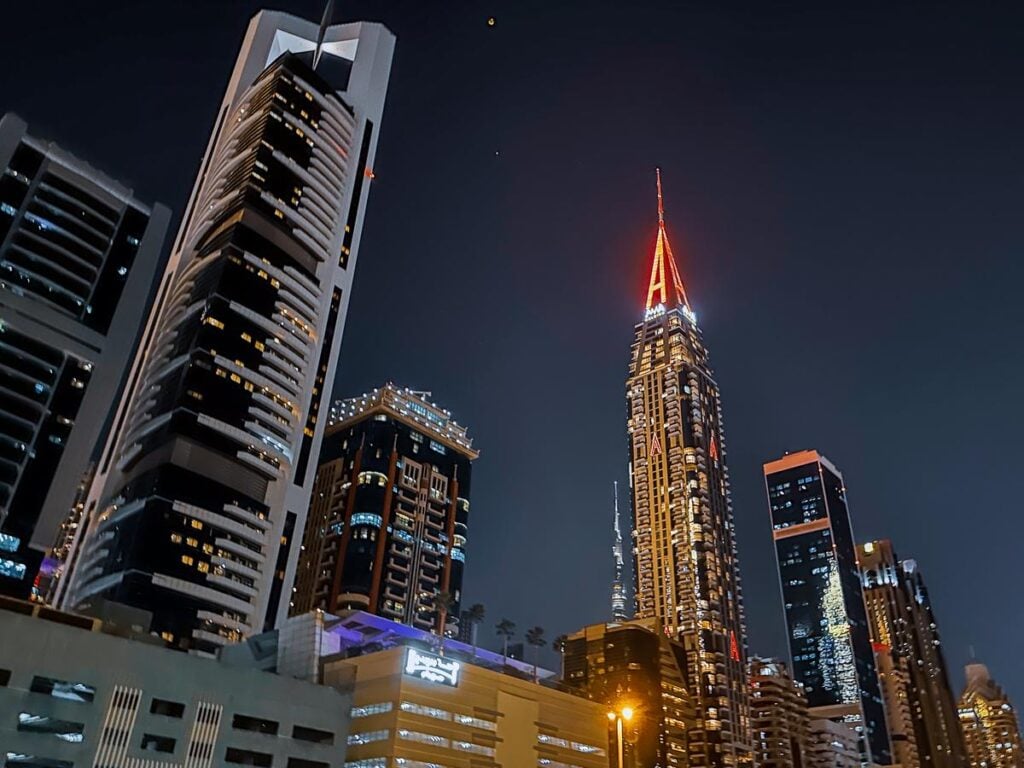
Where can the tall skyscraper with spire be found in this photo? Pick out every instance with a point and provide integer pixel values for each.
(686, 571)
(619, 612)
(202, 490)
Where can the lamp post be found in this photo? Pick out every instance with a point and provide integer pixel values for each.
(622, 716)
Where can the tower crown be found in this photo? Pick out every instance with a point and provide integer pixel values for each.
(666, 287)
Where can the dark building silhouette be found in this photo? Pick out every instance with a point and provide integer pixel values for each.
(79, 256)
(904, 629)
(827, 626)
(635, 665)
(388, 521)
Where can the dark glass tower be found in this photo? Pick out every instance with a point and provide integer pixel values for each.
(79, 256)
(903, 627)
(686, 569)
(388, 521)
(633, 664)
(829, 637)
(202, 492)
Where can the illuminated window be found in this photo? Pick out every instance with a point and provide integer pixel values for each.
(197, 524)
(215, 323)
(187, 559)
(176, 538)
(371, 709)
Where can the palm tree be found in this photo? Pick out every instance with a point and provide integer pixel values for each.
(535, 637)
(506, 631)
(443, 603)
(475, 616)
(559, 645)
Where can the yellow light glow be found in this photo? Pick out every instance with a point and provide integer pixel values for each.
(611, 715)
(627, 713)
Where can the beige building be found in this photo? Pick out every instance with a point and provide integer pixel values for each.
(989, 722)
(832, 745)
(415, 709)
(778, 715)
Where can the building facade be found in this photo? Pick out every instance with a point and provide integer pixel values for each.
(829, 638)
(686, 570)
(635, 665)
(64, 704)
(833, 745)
(201, 493)
(79, 256)
(920, 704)
(619, 612)
(388, 522)
(989, 722)
(778, 716)
(413, 708)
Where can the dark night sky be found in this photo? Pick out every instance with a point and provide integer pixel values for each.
(843, 190)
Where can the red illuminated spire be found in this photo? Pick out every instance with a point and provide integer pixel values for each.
(666, 287)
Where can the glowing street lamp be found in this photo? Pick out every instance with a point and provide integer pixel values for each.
(624, 715)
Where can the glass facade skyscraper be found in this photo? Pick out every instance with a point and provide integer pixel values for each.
(826, 620)
(79, 255)
(202, 491)
(686, 569)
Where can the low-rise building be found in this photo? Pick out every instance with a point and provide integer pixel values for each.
(833, 745)
(74, 695)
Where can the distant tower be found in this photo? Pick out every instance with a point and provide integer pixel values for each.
(829, 638)
(618, 584)
(202, 490)
(686, 570)
(989, 722)
(79, 256)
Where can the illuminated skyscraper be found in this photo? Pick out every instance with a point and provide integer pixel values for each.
(989, 722)
(618, 582)
(203, 488)
(79, 257)
(829, 640)
(686, 571)
(910, 661)
(389, 519)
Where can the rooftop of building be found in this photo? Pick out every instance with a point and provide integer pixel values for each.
(416, 408)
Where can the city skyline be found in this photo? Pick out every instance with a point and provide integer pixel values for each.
(712, 261)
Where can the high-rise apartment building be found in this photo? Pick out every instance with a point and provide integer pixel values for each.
(202, 491)
(989, 722)
(910, 661)
(388, 522)
(78, 261)
(778, 716)
(829, 638)
(635, 665)
(686, 570)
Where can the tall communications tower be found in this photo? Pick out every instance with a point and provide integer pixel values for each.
(618, 584)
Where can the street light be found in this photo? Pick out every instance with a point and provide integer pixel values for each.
(622, 716)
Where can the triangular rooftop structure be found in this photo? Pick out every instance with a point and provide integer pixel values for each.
(666, 287)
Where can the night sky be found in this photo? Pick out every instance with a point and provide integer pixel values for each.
(843, 191)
